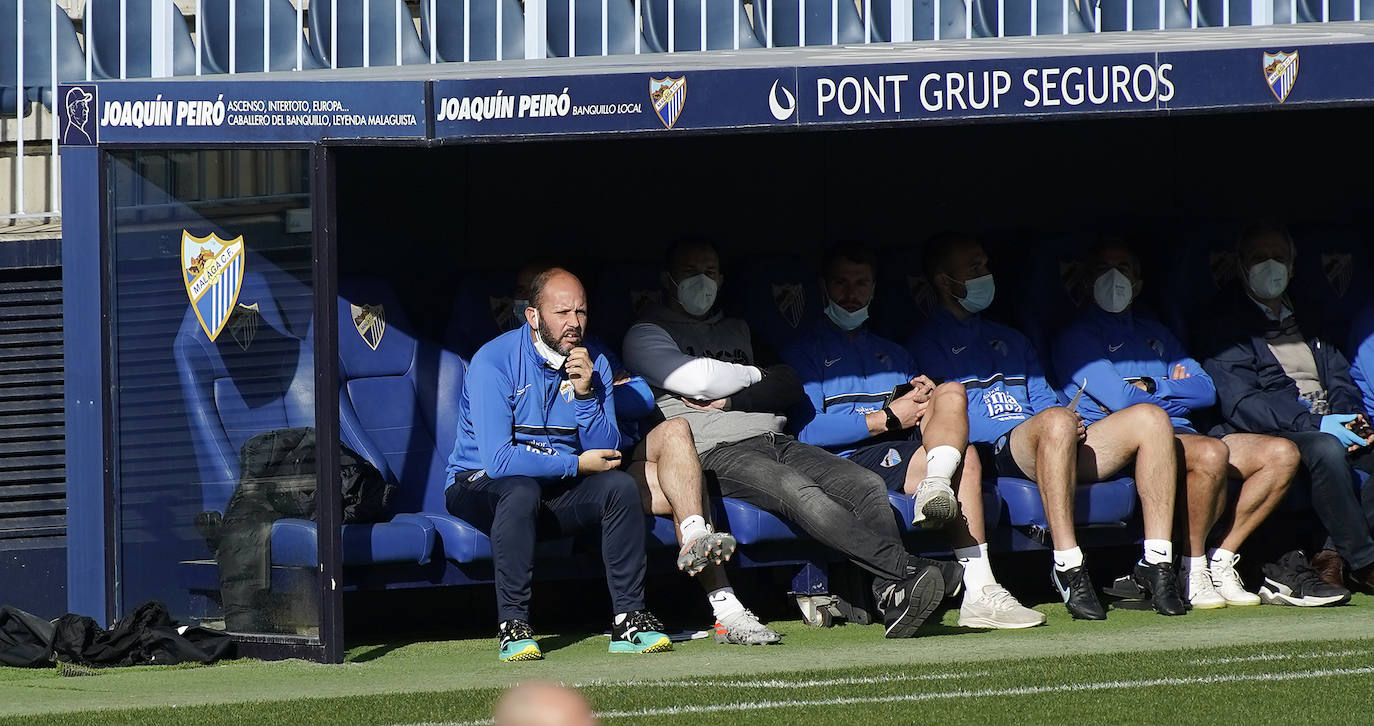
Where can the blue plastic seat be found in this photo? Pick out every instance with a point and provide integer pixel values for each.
(1111, 502)
(621, 28)
(448, 22)
(102, 30)
(285, 33)
(721, 16)
(38, 53)
(384, 16)
(776, 294)
(848, 28)
(904, 508)
(1051, 19)
(954, 20)
(1144, 16)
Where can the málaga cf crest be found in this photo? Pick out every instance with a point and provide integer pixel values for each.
(668, 96)
(1280, 72)
(212, 269)
(370, 320)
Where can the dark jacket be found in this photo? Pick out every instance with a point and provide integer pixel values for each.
(1254, 393)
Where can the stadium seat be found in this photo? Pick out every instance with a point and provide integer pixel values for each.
(1109, 503)
(1050, 19)
(954, 19)
(1201, 265)
(248, 42)
(1145, 14)
(622, 290)
(102, 29)
(448, 25)
(481, 311)
(903, 298)
(1338, 10)
(776, 294)
(383, 18)
(1330, 278)
(1211, 13)
(621, 28)
(37, 82)
(242, 385)
(720, 24)
(847, 27)
(904, 508)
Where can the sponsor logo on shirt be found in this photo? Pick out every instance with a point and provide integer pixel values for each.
(1002, 406)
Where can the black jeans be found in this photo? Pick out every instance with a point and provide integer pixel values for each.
(838, 502)
(1336, 495)
(514, 511)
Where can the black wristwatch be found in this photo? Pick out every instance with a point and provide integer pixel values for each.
(893, 423)
(1150, 385)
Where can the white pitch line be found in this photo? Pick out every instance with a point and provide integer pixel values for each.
(784, 684)
(1279, 656)
(917, 697)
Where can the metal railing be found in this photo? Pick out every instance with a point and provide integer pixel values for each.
(625, 26)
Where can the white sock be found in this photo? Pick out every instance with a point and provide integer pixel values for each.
(692, 527)
(977, 569)
(1065, 560)
(723, 602)
(1159, 552)
(941, 462)
(1190, 564)
(1221, 556)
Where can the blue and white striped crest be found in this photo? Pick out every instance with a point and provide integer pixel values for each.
(370, 320)
(1281, 72)
(668, 95)
(212, 269)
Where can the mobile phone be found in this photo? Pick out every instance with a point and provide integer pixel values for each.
(900, 390)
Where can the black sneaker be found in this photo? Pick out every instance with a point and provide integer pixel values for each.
(1076, 589)
(1161, 582)
(639, 632)
(516, 638)
(950, 570)
(908, 603)
(1292, 581)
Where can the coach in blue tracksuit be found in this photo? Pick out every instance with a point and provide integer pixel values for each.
(914, 440)
(1127, 359)
(1015, 414)
(536, 446)
(1362, 347)
(1272, 379)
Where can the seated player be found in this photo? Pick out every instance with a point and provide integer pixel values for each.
(1361, 345)
(535, 455)
(664, 463)
(1272, 379)
(1127, 359)
(1014, 414)
(914, 441)
(702, 366)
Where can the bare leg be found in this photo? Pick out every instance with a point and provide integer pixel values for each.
(946, 421)
(1267, 464)
(968, 529)
(1203, 461)
(1044, 447)
(1142, 431)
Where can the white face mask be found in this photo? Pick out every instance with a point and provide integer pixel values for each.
(697, 294)
(845, 319)
(1113, 291)
(1268, 279)
(978, 294)
(550, 356)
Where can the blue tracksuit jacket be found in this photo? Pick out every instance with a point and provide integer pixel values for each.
(846, 376)
(1110, 350)
(1362, 347)
(518, 417)
(997, 365)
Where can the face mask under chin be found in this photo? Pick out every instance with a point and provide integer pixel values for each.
(844, 319)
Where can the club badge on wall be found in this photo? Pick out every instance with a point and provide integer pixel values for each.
(370, 320)
(1281, 73)
(668, 96)
(212, 269)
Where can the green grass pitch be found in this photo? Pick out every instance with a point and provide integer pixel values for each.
(1312, 665)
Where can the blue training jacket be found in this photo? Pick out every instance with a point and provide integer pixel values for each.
(1362, 347)
(518, 417)
(846, 376)
(1110, 350)
(997, 365)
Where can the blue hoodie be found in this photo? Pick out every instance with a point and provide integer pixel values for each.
(997, 365)
(1110, 350)
(519, 417)
(846, 376)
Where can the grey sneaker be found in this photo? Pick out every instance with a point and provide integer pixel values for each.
(994, 607)
(709, 548)
(744, 628)
(935, 504)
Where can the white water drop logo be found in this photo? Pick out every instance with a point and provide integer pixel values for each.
(781, 112)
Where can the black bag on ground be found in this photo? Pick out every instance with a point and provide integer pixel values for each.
(146, 636)
(24, 639)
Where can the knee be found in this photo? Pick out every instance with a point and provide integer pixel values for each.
(1284, 458)
(1060, 426)
(618, 489)
(519, 495)
(1150, 419)
(677, 433)
(1210, 457)
(952, 390)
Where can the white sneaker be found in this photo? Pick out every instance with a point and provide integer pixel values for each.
(1198, 590)
(935, 503)
(1228, 584)
(744, 628)
(996, 608)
